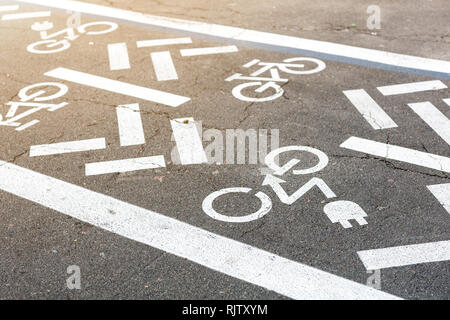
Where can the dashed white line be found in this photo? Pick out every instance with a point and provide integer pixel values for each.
(9, 8)
(188, 140)
(442, 193)
(369, 109)
(118, 56)
(67, 147)
(412, 87)
(131, 132)
(393, 152)
(163, 66)
(434, 118)
(377, 259)
(213, 251)
(125, 165)
(115, 86)
(27, 125)
(447, 101)
(162, 42)
(26, 15)
(208, 50)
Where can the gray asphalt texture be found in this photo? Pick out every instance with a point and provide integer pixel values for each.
(38, 244)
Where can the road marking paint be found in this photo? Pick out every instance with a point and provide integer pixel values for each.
(251, 63)
(118, 56)
(26, 15)
(447, 101)
(163, 65)
(268, 41)
(213, 251)
(434, 118)
(115, 86)
(393, 152)
(67, 147)
(125, 165)
(27, 125)
(369, 109)
(442, 194)
(189, 143)
(9, 8)
(412, 87)
(131, 132)
(377, 259)
(162, 42)
(210, 50)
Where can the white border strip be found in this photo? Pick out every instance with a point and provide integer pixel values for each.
(67, 147)
(376, 58)
(233, 258)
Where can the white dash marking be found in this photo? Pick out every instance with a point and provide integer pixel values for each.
(162, 42)
(377, 259)
(67, 147)
(27, 125)
(393, 152)
(26, 15)
(189, 143)
(251, 63)
(9, 8)
(442, 194)
(118, 56)
(447, 101)
(213, 251)
(434, 118)
(131, 132)
(210, 50)
(125, 165)
(124, 88)
(412, 87)
(163, 65)
(369, 109)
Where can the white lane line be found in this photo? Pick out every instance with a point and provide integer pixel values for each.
(434, 118)
(118, 56)
(115, 86)
(27, 125)
(163, 65)
(393, 152)
(447, 101)
(9, 8)
(209, 50)
(188, 140)
(442, 194)
(369, 109)
(131, 132)
(412, 87)
(162, 42)
(125, 165)
(26, 15)
(377, 259)
(213, 251)
(374, 58)
(67, 147)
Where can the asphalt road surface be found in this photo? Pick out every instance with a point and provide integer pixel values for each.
(125, 172)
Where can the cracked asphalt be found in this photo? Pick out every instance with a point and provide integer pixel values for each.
(38, 244)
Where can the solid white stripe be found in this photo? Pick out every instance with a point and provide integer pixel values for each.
(9, 8)
(163, 65)
(412, 87)
(256, 37)
(125, 165)
(162, 42)
(369, 109)
(131, 132)
(210, 50)
(118, 56)
(442, 194)
(27, 125)
(405, 255)
(67, 147)
(124, 88)
(188, 140)
(26, 15)
(434, 118)
(233, 258)
(447, 101)
(393, 152)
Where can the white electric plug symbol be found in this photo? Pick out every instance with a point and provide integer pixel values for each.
(343, 211)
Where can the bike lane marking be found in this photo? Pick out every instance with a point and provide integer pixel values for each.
(204, 51)
(442, 193)
(9, 8)
(404, 88)
(269, 41)
(118, 56)
(434, 118)
(163, 66)
(124, 165)
(233, 258)
(67, 147)
(131, 131)
(26, 15)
